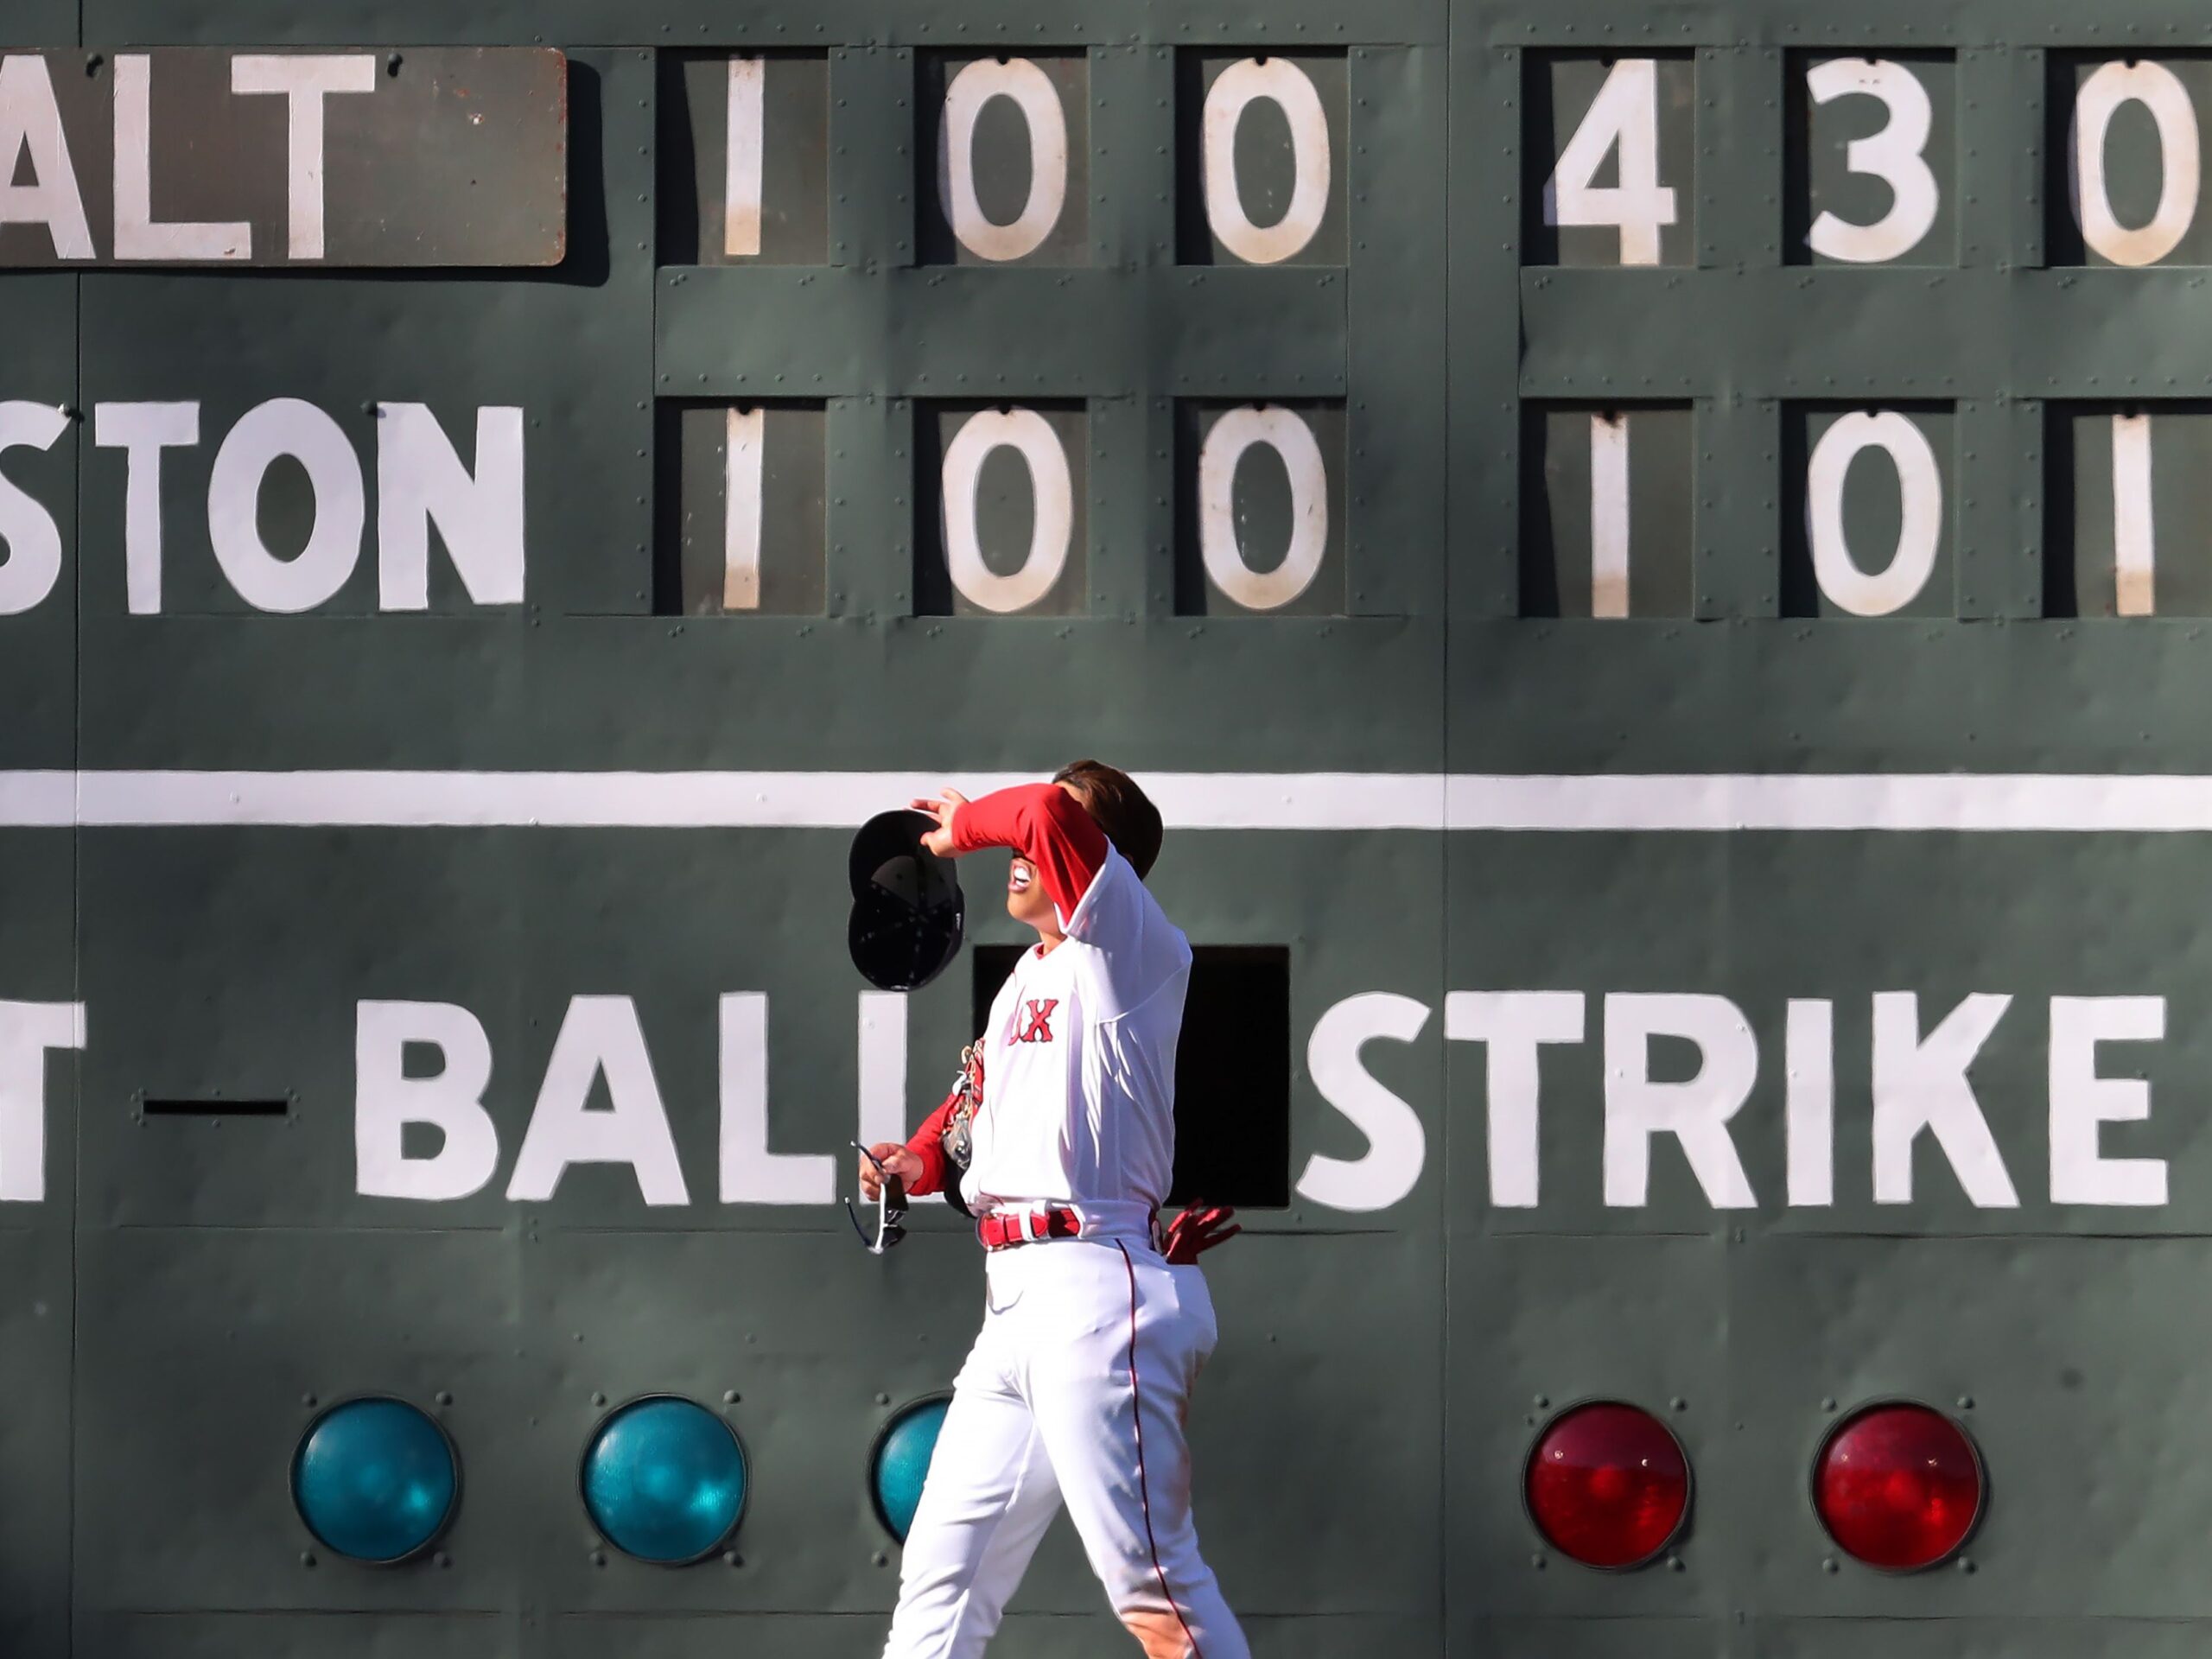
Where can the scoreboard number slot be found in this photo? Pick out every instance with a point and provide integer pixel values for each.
(1872, 537)
(2131, 485)
(1619, 131)
(1607, 518)
(1870, 193)
(2159, 92)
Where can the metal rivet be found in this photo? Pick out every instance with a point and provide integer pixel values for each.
(599, 1399)
(1828, 1564)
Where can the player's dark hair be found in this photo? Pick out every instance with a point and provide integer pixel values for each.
(1117, 806)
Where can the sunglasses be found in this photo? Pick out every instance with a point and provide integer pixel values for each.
(890, 1208)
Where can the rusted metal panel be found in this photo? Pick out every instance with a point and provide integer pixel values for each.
(422, 156)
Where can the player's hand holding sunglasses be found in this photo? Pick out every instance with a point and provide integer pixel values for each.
(885, 1171)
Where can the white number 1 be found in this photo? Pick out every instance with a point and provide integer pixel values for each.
(1624, 113)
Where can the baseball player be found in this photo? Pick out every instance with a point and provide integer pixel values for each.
(1095, 1321)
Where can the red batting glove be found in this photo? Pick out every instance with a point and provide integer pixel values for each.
(1197, 1230)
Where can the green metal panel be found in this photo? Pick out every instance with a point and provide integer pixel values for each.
(38, 645)
(1978, 1638)
(36, 1367)
(2065, 1424)
(206, 1352)
(1360, 1434)
(346, 1635)
(38, 680)
(1562, 1320)
(394, 919)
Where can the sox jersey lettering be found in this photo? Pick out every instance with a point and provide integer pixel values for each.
(1079, 1102)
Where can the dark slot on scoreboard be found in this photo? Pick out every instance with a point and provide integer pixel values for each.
(215, 1106)
(1232, 1071)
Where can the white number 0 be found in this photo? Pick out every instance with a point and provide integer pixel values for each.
(1893, 154)
(1625, 112)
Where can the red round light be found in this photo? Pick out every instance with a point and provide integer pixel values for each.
(1607, 1485)
(1898, 1486)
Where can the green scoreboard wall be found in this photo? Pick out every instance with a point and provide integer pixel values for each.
(1653, 557)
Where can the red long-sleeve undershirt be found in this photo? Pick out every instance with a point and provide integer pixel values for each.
(1047, 826)
(928, 1145)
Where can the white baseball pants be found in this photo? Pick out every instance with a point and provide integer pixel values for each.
(1076, 1391)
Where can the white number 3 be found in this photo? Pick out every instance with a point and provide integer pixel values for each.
(1893, 154)
(1626, 112)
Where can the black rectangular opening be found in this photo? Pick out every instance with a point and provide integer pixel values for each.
(1232, 1071)
(176, 1108)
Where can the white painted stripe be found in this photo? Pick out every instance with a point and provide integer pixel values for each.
(1702, 802)
(38, 800)
(1719, 802)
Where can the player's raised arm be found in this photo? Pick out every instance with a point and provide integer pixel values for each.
(1082, 845)
(1046, 825)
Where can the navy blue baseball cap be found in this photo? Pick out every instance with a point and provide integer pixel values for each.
(908, 911)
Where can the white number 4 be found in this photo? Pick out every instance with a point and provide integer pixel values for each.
(1626, 113)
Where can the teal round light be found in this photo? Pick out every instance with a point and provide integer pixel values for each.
(901, 1462)
(375, 1479)
(664, 1480)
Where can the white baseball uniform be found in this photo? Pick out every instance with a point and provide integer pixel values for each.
(1077, 1385)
